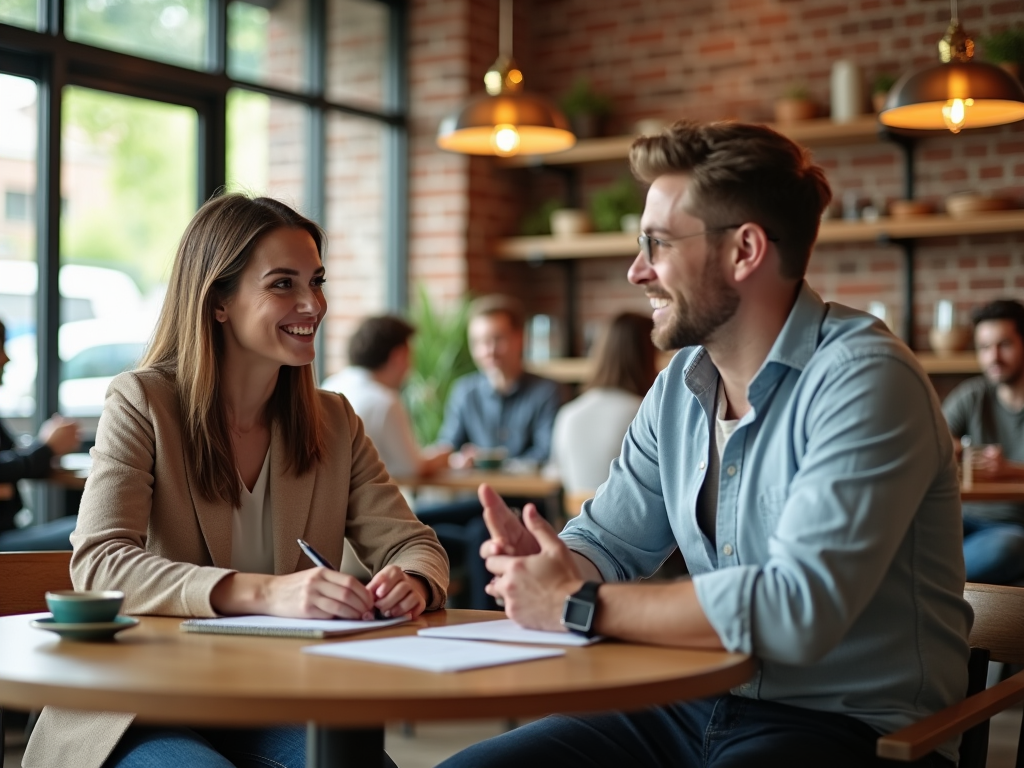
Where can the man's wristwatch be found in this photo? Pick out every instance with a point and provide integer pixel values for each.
(579, 613)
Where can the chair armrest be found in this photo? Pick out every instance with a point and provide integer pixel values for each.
(922, 737)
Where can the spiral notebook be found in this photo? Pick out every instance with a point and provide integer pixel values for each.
(276, 626)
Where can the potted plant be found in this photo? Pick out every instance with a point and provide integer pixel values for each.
(586, 110)
(1006, 48)
(537, 222)
(617, 207)
(796, 104)
(880, 88)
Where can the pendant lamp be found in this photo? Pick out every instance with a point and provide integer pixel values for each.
(505, 121)
(959, 93)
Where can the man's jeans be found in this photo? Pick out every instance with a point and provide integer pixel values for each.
(720, 732)
(144, 747)
(993, 551)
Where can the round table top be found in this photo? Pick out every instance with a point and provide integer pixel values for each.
(168, 676)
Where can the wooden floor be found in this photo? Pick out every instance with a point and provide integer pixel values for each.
(431, 743)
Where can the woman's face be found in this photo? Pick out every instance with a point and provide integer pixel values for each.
(274, 314)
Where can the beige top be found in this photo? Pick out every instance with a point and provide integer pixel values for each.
(144, 529)
(252, 532)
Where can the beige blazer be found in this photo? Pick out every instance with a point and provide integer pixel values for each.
(144, 529)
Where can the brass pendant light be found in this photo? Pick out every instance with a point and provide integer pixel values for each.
(959, 93)
(505, 121)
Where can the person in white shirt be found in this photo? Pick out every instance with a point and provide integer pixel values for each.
(589, 430)
(379, 358)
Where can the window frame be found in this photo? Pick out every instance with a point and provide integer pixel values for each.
(54, 62)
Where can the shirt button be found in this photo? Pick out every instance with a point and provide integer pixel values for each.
(701, 466)
(730, 470)
(727, 550)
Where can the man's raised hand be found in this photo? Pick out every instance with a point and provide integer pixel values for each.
(508, 535)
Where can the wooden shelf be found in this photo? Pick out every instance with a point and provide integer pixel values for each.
(810, 133)
(619, 244)
(576, 370)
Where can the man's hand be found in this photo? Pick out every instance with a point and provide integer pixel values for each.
(508, 536)
(60, 435)
(397, 593)
(534, 586)
(990, 465)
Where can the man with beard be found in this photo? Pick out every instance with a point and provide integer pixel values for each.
(989, 409)
(795, 452)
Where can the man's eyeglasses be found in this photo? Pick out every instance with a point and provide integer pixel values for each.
(648, 243)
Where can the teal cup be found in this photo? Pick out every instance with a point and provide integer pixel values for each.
(91, 607)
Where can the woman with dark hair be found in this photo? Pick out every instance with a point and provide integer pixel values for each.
(213, 458)
(589, 430)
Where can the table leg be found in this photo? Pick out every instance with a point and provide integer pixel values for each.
(344, 747)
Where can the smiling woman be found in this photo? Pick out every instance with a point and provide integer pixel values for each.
(217, 454)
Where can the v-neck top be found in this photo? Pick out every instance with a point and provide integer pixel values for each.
(252, 530)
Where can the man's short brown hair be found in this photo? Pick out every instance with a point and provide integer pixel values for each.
(743, 173)
(375, 339)
(499, 304)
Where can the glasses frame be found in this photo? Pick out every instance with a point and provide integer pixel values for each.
(645, 241)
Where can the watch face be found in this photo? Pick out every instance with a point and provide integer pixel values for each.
(578, 614)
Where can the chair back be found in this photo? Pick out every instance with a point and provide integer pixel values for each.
(27, 577)
(998, 621)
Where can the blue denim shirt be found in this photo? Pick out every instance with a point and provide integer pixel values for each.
(838, 559)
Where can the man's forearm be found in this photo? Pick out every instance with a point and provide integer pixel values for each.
(665, 613)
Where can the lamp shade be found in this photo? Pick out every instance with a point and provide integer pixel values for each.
(955, 95)
(506, 124)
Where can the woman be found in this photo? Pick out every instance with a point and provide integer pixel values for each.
(213, 458)
(57, 436)
(588, 431)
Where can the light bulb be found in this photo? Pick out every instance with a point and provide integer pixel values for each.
(505, 139)
(954, 113)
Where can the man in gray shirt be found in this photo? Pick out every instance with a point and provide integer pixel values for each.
(989, 409)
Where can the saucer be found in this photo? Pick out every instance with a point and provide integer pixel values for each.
(103, 630)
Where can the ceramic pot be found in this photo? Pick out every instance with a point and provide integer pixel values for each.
(948, 342)
(789, 110)
(567, 222)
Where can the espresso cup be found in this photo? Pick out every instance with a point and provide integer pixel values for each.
(489, 458)
(89, 607)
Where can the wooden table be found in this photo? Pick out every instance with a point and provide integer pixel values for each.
(529, 485)
(993, 492)
(170, 677)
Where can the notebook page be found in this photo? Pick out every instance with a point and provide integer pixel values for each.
(432, 654)
(507, 631)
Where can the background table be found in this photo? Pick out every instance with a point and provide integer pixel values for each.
(993, 492)
(167, 676)
(528, 485)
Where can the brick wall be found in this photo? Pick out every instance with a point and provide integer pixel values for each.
(703, 60)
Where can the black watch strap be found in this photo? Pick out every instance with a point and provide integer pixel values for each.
(579, 612)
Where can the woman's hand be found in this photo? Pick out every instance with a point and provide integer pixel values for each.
(397, 593)
(316, 593)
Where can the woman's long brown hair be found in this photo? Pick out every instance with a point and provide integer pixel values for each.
(626, 357)
(188, 343)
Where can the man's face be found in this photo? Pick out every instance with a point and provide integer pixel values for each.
(496, 345)
(686, 284)
(1000, 351)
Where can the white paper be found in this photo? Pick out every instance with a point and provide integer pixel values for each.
(432, 654)
(507, 631)
(316, 625)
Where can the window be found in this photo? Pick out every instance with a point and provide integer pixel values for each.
(298, 99)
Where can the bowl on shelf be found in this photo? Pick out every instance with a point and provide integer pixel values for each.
(970, 203)
(568, 222)
(949, 342)
(908, 209)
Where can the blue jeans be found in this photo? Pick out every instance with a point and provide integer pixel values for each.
(146, 747)
(720, 732)
(993, 551)
(40, 538)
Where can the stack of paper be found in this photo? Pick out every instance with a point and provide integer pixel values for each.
(432, 654)
(507, 631)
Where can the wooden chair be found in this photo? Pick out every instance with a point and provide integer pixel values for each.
(573, 502)
(997, 635)
(26, 578)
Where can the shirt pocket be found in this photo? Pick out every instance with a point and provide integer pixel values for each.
(770, 503)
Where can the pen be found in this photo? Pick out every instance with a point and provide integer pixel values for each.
(322, 561)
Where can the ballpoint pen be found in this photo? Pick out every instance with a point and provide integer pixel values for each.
(322, 561)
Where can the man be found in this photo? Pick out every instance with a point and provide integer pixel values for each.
(500, 406)
(795, 452)
(989, 409)
(379, 355)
